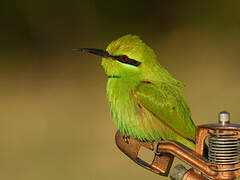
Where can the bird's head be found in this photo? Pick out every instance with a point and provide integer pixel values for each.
(126, 57)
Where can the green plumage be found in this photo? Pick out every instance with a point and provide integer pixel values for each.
(146, 101)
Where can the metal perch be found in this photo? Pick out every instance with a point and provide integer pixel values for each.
(223, 161)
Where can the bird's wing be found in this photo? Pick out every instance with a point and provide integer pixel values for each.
(168, 105)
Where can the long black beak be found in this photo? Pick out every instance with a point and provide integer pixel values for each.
(98, 52)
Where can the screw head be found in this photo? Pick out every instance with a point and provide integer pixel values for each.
(224, 118)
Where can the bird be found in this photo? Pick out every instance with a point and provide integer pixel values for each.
(146, 101)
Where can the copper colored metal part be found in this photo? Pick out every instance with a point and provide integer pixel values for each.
(227, 171)
(161, 164)
(192, 175)
(202, 168)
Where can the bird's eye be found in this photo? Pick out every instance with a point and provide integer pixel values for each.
(124, 58)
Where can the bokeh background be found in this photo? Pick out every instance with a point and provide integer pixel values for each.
(54, 117)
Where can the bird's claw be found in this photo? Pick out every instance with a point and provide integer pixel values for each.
(126, 138)
(155, 146)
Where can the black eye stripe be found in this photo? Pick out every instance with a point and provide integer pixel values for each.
(126, 60)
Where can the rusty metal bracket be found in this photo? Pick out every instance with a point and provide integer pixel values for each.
(161, 163)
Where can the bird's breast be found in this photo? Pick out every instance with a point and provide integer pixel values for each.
(128, 114)
(122, 103)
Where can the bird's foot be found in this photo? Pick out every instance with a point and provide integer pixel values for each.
(126, 138)
(155, 146)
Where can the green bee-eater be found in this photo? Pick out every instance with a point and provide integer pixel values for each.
(146, 101)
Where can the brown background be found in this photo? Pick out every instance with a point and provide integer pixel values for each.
(54, 117)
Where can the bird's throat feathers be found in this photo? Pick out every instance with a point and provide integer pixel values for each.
(122, 103)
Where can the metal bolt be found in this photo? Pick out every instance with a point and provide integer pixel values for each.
(224, 118)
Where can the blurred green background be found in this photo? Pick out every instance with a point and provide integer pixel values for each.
(54, 117)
